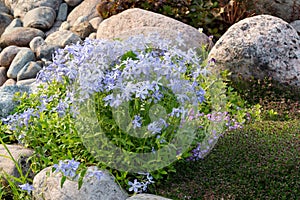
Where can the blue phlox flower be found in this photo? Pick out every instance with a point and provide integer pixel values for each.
(94, 172)
(200, 95)
(117, 101)
(176, 112)
(154, 127)
(137, 121)
(61, 107)
(135, 186)
(153, 150)
(67, 167)
(108, 99)
(27, 187)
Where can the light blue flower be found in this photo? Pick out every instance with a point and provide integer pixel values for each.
(135, 186)
(27, 187)
(154, 127)
(137, 121)
(67, 167)
(94, 172)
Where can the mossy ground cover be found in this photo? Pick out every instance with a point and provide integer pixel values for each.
(259, 162)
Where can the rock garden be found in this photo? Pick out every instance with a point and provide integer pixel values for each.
(136, 100)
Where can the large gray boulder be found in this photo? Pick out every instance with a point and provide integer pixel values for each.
(259, 47)
(7, 93)
(48, 187)
(137, 21)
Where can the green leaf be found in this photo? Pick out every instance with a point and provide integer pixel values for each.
(62, 181)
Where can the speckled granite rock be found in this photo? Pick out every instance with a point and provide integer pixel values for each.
(260, 46)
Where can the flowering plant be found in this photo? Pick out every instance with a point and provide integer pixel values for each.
(135, 105)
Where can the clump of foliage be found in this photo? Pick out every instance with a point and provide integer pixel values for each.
(55, 119)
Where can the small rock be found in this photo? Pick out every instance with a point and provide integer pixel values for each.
(27, 82)
(65, 26)
(80, 20)
(46, 51)
(62, 38)
(7, 92)
(14, 23)
(19, 153)
(8, 82)
(29, 71)
(73, 2)
(5, 20)
(36, 42)
(62, 12)
(21, 7)
(20, 36)
(83, 29)
(93, 36)
(24, 56)
(95, 22)
(48, 187)
(147, 197)
(8, 54)
(86, 9)
(54, 28)
(3, 76)
(40, 18)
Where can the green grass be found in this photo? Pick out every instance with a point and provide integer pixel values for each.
(259, 162)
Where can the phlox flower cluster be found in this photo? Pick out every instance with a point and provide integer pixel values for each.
(140, 186)
(100, 66)
(94, 172)
(20, 119)
(67, 167)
